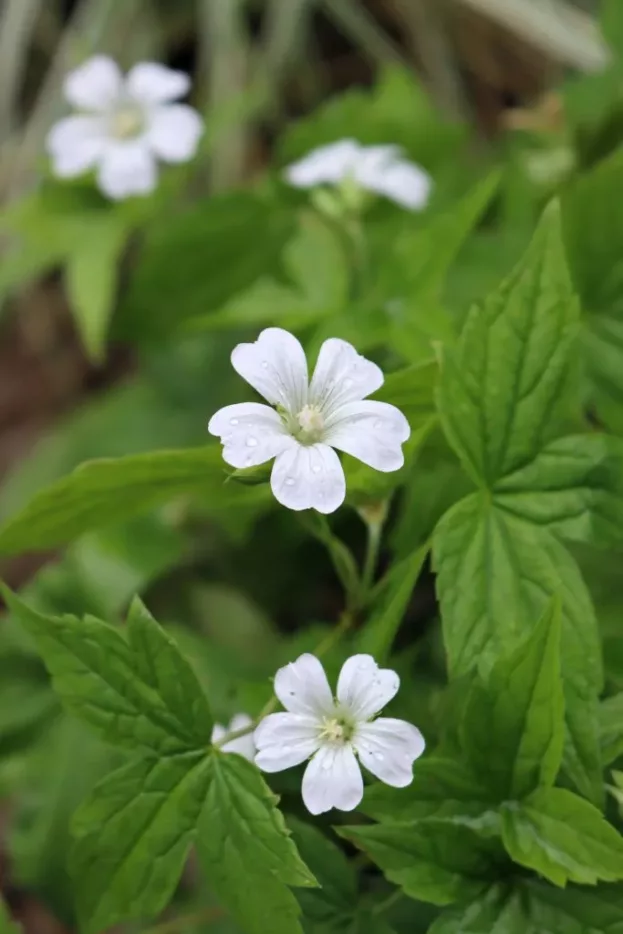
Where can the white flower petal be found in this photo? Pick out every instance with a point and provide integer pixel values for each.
(332, 780)
(371, 431)
(218, 732)
(284, 740)
(243, 745)
(302, 687)
(342, 375)
(95, 85)
(76, 144)
(251, 433)
(127, 168)
(152, 83)
(276, 367)
(364, 688)
(406, 184)
(388, 748)
(328, 164)
(309, 477)
(174, 132)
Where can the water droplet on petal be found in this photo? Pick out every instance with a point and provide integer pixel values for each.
(233, 421)
(264, 364)
(251, 442)
(379, 756)
(290, 481)
(316, 468)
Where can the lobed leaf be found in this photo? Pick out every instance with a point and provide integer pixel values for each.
(435, 859)
(513, 726)
(137, 691)
(496, 574)
(246, 851)
(501, 391)
(133, 835)
(563, 838)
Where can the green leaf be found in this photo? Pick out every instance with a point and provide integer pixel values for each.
(412, 390)
(109, 491)
(91, 279)
(419, 261)
(378, 634)
(513, 727)
(438, 860)
(315, 261)
(441, 787)
(397, 108)
(246, 852)
(597, 910)
(502, 388)
(563, 838)
(495, 575)
(574, 487)
(195, 261)
(336, 899)
(611, 728)
(593, 230)
(133, 836)
(438, 243)
(499, 911)
(137, 691)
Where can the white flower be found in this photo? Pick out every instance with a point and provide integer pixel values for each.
(381, 169)
(333, 732)
(311, 419)
(243, 745)
(124, 125)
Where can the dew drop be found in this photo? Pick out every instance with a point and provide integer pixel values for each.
(264, 364)
(251, 442)
(316, 468)
(233, 421)
(290, 481)
(379, 756)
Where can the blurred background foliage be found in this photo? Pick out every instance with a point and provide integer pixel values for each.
(117, 322)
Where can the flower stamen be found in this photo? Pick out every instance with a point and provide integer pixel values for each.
(310, 422)
(126, 123)
(335, 730)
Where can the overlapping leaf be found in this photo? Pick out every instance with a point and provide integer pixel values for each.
(134, 832)
(563, 838)
(503, 398)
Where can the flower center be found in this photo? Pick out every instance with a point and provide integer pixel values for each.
(335, 730)
(310, 424)
(127, 122)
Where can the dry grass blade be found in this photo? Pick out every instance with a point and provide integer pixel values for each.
(361, 27)
(557, 29)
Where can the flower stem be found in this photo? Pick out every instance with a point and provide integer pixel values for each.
(372, 556)
(374, 516)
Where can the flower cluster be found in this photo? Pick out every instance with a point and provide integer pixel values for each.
(310, 419)
(123, 125)
(333, 733)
